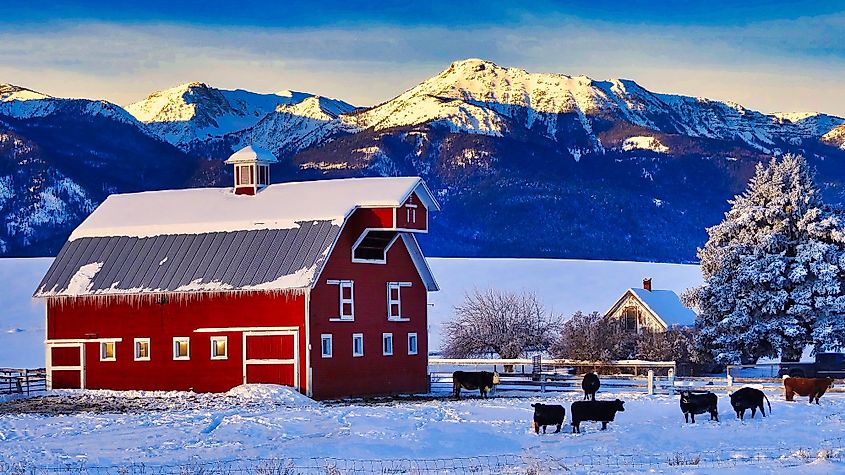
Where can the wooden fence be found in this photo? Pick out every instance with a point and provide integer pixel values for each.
(651, 377)
(22, 381)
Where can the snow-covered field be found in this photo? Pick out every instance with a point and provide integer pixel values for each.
(269, 422)
(564, 285)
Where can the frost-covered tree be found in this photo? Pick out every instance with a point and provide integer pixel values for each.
(773, 269)
(591, 337)
(507, 324)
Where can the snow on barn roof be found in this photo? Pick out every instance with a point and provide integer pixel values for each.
(210, 240)
(666, 305)
(278, 206)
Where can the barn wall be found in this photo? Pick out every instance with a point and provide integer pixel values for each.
(345, 375)
(421, 222)
(111, 318)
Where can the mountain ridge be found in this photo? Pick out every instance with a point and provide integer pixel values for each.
(525, 164)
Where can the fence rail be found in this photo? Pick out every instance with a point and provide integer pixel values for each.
(22, 381)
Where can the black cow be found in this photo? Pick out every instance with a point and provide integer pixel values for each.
(481, 380)
(548, 415)
(749, 398)
(599, 411)
(590, 385)
(692, 404)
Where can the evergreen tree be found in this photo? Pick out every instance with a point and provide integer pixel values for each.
(773, 270)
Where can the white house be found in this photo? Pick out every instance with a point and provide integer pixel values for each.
(647, 309)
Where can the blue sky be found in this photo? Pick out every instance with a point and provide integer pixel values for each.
(774, 55)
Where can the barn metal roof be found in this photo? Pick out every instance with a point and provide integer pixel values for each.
(265, 259)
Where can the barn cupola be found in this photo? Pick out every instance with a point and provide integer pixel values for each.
(252, 169)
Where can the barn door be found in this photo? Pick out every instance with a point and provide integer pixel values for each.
(66, 366)
(272, 357)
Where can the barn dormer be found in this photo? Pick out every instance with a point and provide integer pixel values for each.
(252, 169)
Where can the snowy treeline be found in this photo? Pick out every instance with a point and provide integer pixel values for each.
(774, 270)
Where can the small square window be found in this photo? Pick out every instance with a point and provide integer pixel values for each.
(357, 344)
(142, 349)
(181, 348)
(387, 344)
(107, 351)
(219, 348)
(412, 343)
(326, 345)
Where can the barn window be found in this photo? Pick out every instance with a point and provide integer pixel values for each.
(219, 348)
(346, 300)
(181, 348)
(394, 300)
(387, 344)
(372, 246)
(412, 343)
(107, 351)
(244, 175)
(357, 344)
(326, 345)
(263, 175)
(411, 212)
(142, 349)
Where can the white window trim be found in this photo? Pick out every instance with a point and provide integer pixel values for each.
(177, 339)
(136, 352)
(390, 302)
(113, 356)
(326, 337)
(356, 336)
(384, 339)
(411, 211)
(341, 284)
(416, 344)
(383, 260)
(215, 339)
(252, 178)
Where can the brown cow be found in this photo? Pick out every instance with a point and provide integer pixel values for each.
(813, 387)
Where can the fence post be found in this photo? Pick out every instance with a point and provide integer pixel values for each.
(650, 388)
(730, 379)
(542, 383)
(671, 378)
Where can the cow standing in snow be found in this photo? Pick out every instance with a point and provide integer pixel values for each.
(484, 381)
(749, 398)
(598, 411)
(692, 404)
(813, 387)
(547, 415)
(590, 385)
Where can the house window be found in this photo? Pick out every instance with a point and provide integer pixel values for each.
(357, 344)
(107, 351)
(244, 174)
(629, 319)
(412, 343)
(372, 246)
(181, 348)
(326, 345)
(394, 300)
(142, 349)
(219, 347)
(387, 344)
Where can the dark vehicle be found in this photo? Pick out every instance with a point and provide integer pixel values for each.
(827, 365)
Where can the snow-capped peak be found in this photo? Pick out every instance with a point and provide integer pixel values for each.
(10, 92)
(194, 110)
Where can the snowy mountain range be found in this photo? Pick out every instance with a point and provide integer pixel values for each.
(526, 164)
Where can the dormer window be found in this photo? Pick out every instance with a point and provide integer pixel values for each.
(372, 246)
(252, 169)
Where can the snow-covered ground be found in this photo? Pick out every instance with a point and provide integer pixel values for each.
(564, 285)
(252, 423)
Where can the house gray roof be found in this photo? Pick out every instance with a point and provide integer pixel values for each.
(265, 259)
(667, 306)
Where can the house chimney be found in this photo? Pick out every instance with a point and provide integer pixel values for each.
(252, 169)
(647, 283)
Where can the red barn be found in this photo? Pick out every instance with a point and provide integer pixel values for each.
(317, 285)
